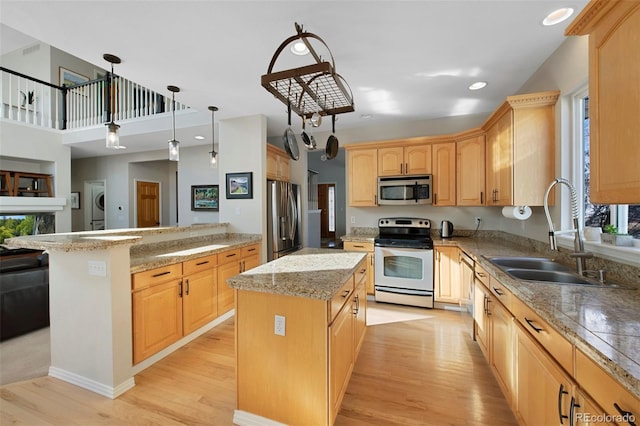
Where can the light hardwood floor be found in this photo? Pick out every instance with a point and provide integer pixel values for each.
(422, 371)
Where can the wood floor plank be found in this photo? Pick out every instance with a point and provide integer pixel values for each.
(425, 370)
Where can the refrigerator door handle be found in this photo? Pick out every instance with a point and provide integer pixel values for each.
(293, 216)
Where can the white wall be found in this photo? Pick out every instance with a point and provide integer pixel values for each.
(194, 169)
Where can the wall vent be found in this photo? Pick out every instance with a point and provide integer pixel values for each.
(31, 49)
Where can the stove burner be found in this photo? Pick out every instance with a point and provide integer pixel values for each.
(404, 232)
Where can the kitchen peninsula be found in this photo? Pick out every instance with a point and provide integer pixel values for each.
(300, 321)
(91, 291)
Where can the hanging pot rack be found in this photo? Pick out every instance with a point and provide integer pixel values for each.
(315, 88)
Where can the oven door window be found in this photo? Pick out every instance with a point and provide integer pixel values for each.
(408, 267)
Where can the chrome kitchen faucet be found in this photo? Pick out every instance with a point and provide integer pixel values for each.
(578, 241)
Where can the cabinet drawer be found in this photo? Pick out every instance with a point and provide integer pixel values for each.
(229, 256)
(604, 389)
(250, 250)
(500, 292)
(357, 246)
(199, 264)
(549, 338)
(156, 276)
(481, 275)
(340, 298)
(360, 275)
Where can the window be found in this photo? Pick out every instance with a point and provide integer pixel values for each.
(16, 225)
(626, 218)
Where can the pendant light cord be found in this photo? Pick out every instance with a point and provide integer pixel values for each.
(173, 109)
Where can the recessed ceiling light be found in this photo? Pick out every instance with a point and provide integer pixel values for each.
(478, 85)
(557, 16)
(299, 48)
(199, 137)
(366, 116)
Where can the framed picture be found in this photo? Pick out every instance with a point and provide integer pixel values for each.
(205, 197)
(70, 78)
(240, 185)
(75, 200)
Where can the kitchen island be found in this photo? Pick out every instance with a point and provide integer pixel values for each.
(300, 321)
(90, 295)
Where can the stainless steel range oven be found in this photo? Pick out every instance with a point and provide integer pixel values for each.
(404, 262)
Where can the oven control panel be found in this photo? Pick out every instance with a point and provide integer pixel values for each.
(404, 222)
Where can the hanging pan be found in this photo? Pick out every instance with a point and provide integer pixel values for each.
(308, 140)
(289, 139)
(332, 143)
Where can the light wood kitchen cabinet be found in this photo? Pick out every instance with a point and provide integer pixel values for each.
(157, 318)
(470, 171)
(404, 160)
(501, 350)
(444, 174)
(369, 248)
(447, 275)
(277, 164)
(200, 292)
(481, 313)
(614, 98)
(520, 150)
(341, 353)
(363, 177)
(360, 315)
(230, 263)
(586, 412)
(544, 390)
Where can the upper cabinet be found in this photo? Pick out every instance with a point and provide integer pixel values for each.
(614, 98)
(363, 177)
(520, 150)
(277, 164)
(444, 174)
(404, 160)
(470, 165)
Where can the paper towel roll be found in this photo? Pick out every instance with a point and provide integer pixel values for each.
(517, 212)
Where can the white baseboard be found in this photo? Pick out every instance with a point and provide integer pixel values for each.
(243, 418)
(92, 385)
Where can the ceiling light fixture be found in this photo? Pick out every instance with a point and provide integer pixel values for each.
(299, 48)
(174, 145)
(213, 155)
(113, 137)
(478, 85)
(557, 16)
(199, 137)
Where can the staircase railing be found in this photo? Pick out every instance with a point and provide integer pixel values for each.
(40, 103)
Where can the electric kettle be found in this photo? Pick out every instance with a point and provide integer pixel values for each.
(446, 229)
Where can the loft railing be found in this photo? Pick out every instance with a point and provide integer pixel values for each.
(40, 103)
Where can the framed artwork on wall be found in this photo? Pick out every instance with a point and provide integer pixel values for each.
(70, 78)
(205, 197)
(239, 185)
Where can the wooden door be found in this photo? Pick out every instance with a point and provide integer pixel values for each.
(502, 347)
(341, 354)
(325, 206)
(363, 177)
(417, 160)
(447, 275)
(444, 174)
(391, 161)
(148, 202)
(470, 154)
(480, 308)
(500, 161)
(200, 299)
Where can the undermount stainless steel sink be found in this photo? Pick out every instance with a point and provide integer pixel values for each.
(537, 263)
(548, 276)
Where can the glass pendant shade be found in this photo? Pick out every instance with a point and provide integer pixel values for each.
(174, 150)
(213, 155)
(113, 136)
(213, 159)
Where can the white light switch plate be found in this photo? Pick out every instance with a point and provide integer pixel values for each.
(279, 325)
(98, 268)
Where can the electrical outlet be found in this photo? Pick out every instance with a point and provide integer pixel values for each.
(97, 268)
(478, 220)
(353, 219)
(279, 325)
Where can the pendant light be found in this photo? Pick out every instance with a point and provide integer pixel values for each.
(113, 137)
(174, 145)
(213, 155)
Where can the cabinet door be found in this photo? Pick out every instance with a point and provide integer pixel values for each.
(481, 300)
(371, 271)
(502, 347)
(470, 172)
(444, 174)
(417, 160)
(200, 304)
(226, 300)
(543, 391)
(272, 165)
(447, 275)
(360, 314)
(586, 412)
(283, 168)
(391, 161)
(363, 177)
(157, 318)
(499, 161)
(340, 356)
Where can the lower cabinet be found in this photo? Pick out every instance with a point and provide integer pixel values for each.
(200, 293)
(341, 355)
(369, 248)
(230, 263)
(502, 347)
(544, 390)
(447, 283)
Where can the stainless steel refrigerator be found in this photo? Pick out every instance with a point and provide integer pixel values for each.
(283, 219)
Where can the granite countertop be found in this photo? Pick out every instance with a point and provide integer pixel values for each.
(604, 323)
(310, 273)
(154, 255)
(361, 235)
(98, 240)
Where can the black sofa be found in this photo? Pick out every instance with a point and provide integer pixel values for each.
(24, 294)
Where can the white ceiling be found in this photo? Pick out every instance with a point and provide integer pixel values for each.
(404, 60)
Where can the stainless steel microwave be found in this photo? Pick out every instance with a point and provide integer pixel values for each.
(404, 190)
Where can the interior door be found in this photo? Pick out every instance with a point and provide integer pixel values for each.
(326, 204)
(148, 204)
